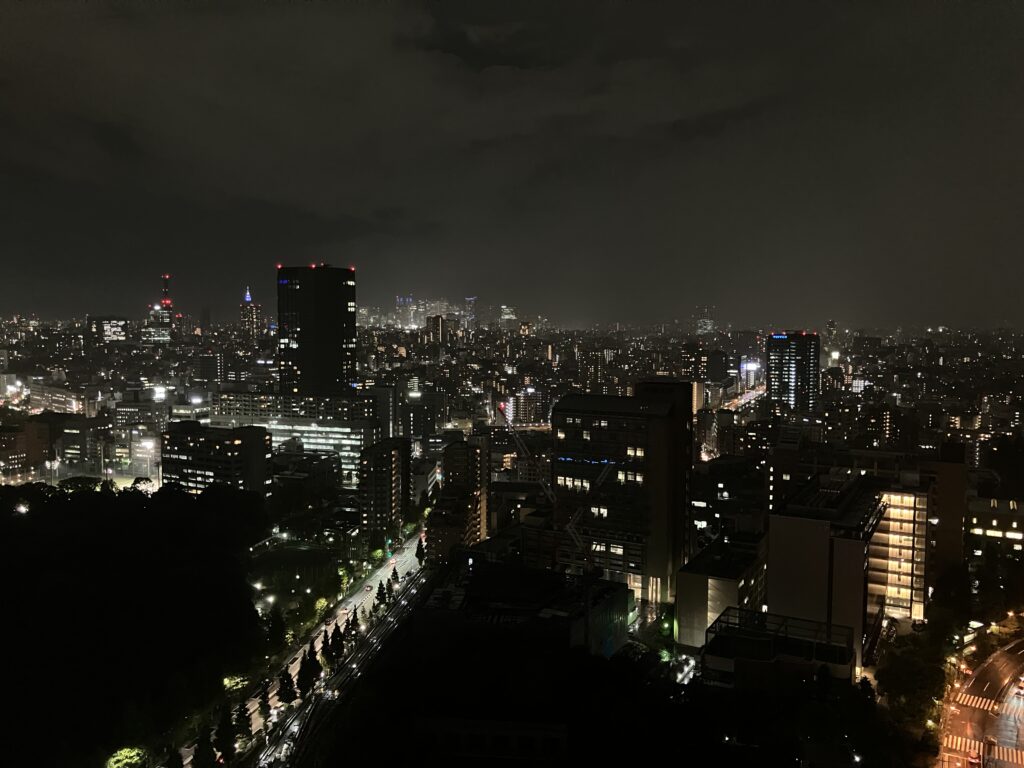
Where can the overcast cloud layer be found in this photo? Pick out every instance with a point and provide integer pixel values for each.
(786, 161)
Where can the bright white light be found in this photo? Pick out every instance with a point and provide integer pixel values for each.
(21, 509)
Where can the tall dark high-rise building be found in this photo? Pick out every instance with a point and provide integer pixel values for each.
(316, 315)
(794, 371)
(385, 488)
(633, 518)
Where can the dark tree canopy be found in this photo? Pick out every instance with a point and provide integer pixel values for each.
(153, 605)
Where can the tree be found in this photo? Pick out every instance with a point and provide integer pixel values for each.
(129, 757)
(263, 699)
(286, 687)
(306, 676)
(910, 676)
(326, 652)
(343, 579)
(243, 721)
(311, 649)
(276, 628)
(79, 484)
(224, 738)
(382, 594)
(202, 752)
(394, 575)
(866, 689)
(337, 643)
(421, 553)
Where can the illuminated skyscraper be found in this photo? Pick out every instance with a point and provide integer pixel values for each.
(160, 324)
(794, 372)
(316, 312)
(250, 315)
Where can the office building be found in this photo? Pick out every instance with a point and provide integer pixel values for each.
(106, 330)
(196, 457)
(316, 310)
(794, 372)
(818, 555)
(151, 413)
(921, 535)
(621, 466)
(385, 488)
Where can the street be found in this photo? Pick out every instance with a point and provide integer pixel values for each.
(289, 746)
(985, 716)
(406, 563)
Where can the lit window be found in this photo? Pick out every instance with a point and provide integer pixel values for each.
(615, 549)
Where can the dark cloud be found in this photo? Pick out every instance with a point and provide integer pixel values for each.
(591, 161)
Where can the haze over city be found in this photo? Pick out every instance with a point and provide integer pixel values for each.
(786, 162)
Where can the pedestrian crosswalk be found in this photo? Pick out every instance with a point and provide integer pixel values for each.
(1007, 755)
(978, 702)
(961, 743)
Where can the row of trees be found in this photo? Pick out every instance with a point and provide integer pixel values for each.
(235, 725)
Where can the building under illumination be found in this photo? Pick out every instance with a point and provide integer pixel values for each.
(818, 554)
(385, 488)
(196, 457)
(897, 553)
(794, 372)
(634, 516)
(250, 317)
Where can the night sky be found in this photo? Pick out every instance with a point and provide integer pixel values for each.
(785, 161)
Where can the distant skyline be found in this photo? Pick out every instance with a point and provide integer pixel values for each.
(792, 161)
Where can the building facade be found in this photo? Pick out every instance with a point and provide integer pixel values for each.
(794, 371)
(316, 310)
(621, 469)
(195, 457)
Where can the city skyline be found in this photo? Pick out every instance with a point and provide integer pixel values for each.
(595, 172)
(485, 377)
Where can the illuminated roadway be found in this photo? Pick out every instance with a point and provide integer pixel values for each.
(406, 563)
(986, 714)
(746, 399)
(297, 740)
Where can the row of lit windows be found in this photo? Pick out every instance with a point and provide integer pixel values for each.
(997, 534)
(573, 483)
